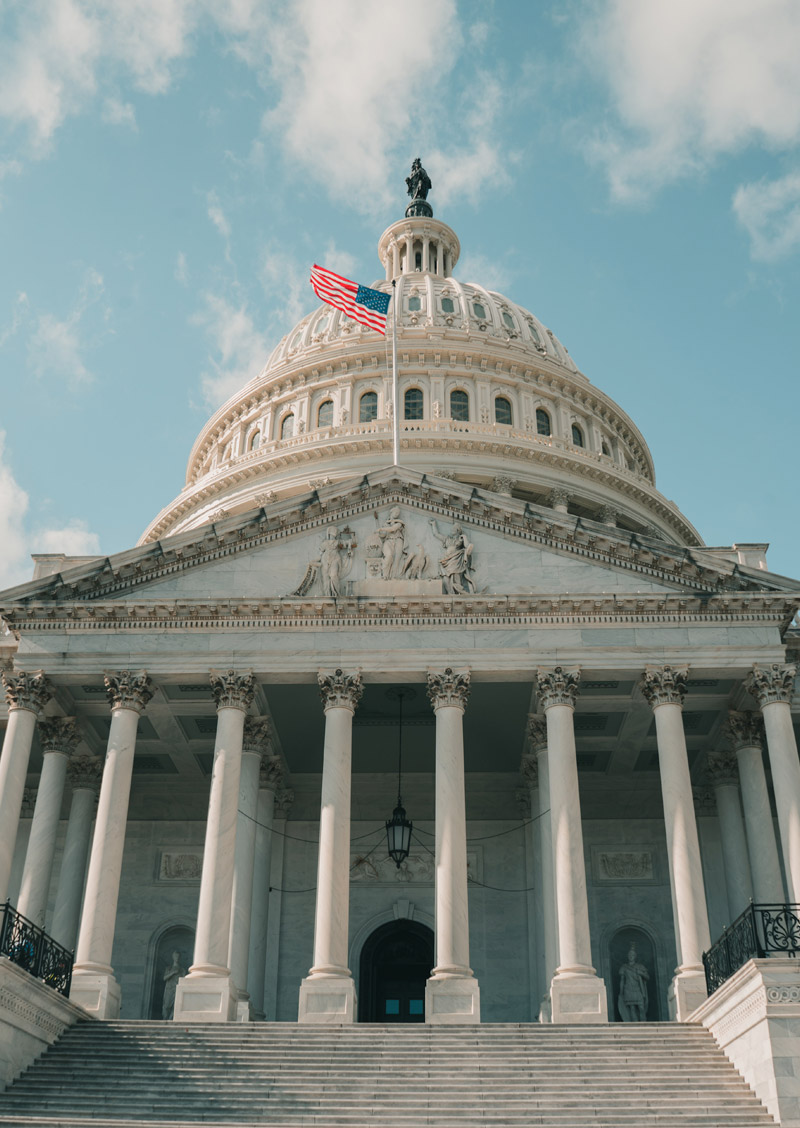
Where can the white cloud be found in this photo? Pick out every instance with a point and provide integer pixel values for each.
(689, 81)
(485, 272)
(285, 281)
(119, 113)
(19, 315)
(240, 349)
(218, 217)
(56, 345)
(19, 541)
(769, 211)
(181, 268)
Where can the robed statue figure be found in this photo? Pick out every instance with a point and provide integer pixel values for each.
(418, 183)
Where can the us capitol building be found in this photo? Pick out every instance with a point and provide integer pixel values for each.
(587, 711)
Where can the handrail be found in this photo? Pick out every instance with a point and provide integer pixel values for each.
(30, 948)
(760, 931)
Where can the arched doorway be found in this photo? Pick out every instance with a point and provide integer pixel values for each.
(632, 945)
(396, 960)
(177, 939)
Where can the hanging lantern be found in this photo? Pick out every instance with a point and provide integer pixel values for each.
(398, 828)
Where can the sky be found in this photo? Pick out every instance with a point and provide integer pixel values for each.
(629, 170)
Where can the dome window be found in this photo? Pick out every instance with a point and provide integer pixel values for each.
(322, 324)
(459, 406)
(605, 449)
(412, 403)
(577, 435)
(509, 320)
(502, 411)
(255, 440)
(479, 311)
(542, 422)
(414, 304)
(325, 414)
(368, 407)
(287, 426)
(447, 305)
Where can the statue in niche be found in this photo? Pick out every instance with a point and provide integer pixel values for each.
(456, 560)
(633, 998)
(392, 535)
(333, 566)
(171, 976)
(418, 184)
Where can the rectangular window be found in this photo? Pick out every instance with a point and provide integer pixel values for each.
(415, 1006)
(392, 1006)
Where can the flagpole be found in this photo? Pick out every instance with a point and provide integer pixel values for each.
(395, 396)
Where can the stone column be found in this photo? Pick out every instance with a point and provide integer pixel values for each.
(93, 984)
(59, 737)
(207, 993)
(559, 499)
(773, 689)
(746, 734)
(84, 773)
(410, 267)
(664, 688)
(269, 782)
(537, 735)
(256, 737)
(26, 694)
(725, 780)
(328, 993)
(577, 993)
(527, 803)
(452, 994)
(283, 801)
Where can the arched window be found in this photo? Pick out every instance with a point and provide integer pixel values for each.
(325, 414)
(542, 422)
(502, 411)
(255, 440)
(368, 407)
(479, 311)
(534, 333)
(412, 403)
(459, 406)
(287, 426)
(509, 320)
(577, 435)
(447, 305)
(414, 304)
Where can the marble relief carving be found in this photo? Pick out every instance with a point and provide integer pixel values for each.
(455, 562)
(633, 864)
(419, 869)
(181, 865)
(332, 566)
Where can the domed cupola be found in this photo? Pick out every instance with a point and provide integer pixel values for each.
(487, 395)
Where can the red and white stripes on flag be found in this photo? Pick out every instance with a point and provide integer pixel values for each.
(368, 307)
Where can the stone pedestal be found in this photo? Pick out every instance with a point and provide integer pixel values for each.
(97, 992)
(206, 998)
(452, 1001)
(755, 1018)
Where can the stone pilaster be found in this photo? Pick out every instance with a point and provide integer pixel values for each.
(93, 984)
(208, 993)
(328, 993)
(772, 687)
(664, 688)
(452, 993)
(577, 994)
(59, 737)
(746, 735)
(724, 777)
(26, 694)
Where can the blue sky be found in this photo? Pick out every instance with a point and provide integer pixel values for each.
(169, 169)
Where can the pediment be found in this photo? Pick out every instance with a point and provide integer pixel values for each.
(397, 535)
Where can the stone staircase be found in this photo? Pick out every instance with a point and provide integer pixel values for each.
(285, 1076)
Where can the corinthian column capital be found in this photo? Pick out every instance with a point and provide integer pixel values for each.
(27, 691)
(340, 690)
(558, 686)
(59, 734)
(270, 776)
(257, 735)
(128, 689)
(232, 690)
(283, 802)
(448, 688)
(529, 770)
(664, 685)
(721, 768)
(745, 730)
(537, 733)
(775, 683)
(85, 773)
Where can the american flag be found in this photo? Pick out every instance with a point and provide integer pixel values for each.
(367, 306)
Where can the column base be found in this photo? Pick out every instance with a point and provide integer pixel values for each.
(206, 998)
(686, 993)
(244, 1011)
(451, 1000)
(97, 992)
(578, 999)
(327, 1002)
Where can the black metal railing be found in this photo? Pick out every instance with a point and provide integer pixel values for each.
(761, 930)
(32, 949)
